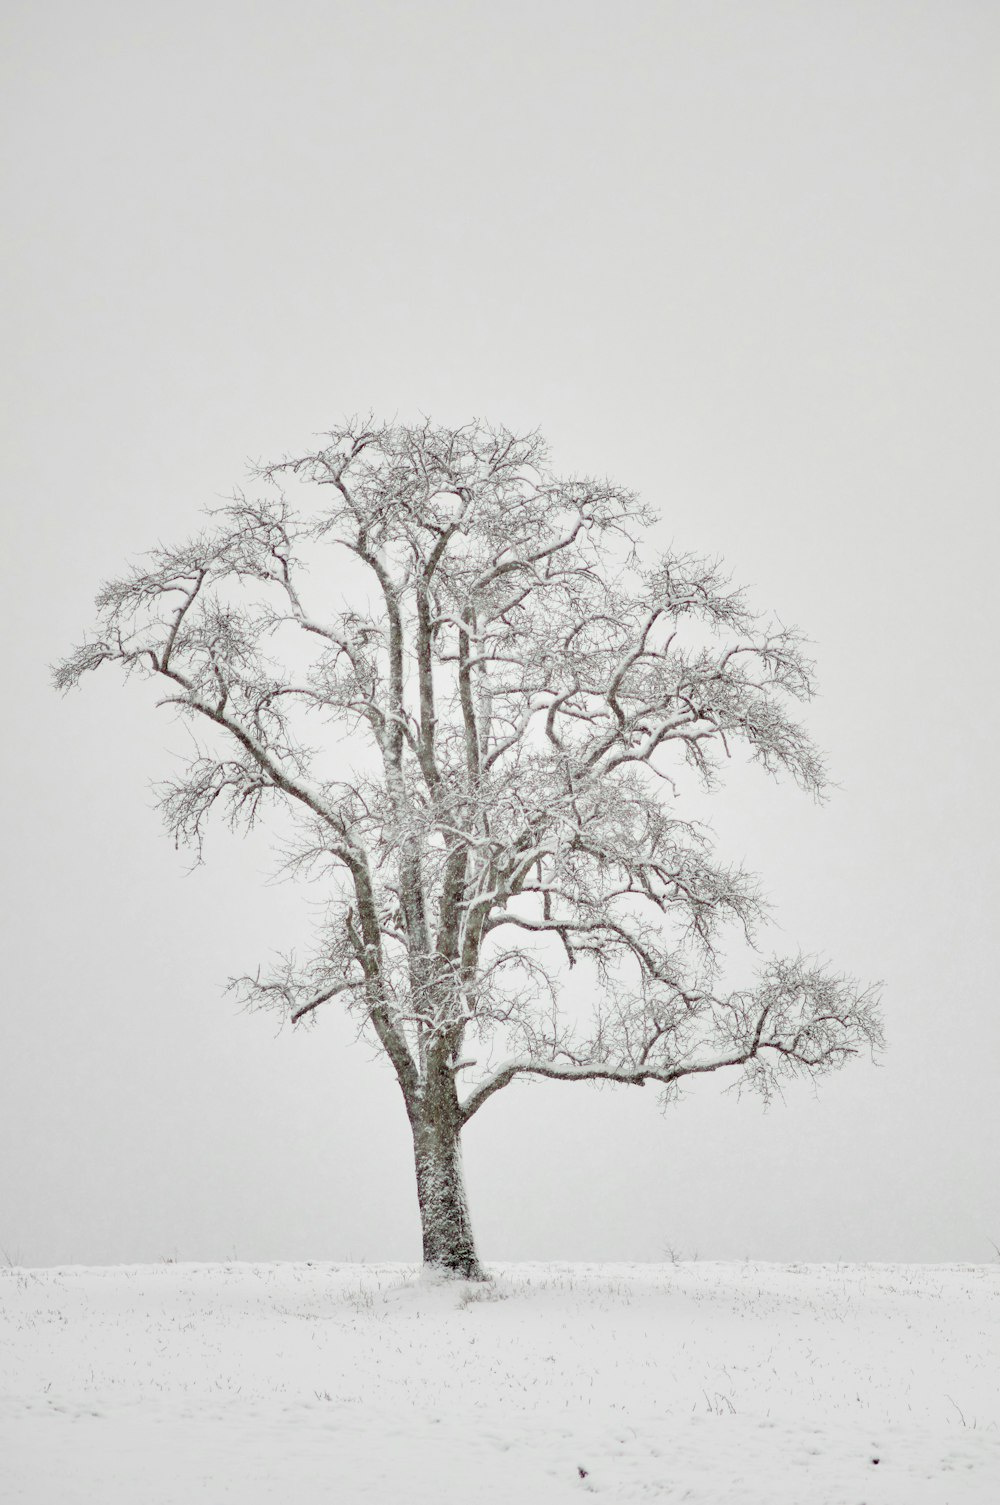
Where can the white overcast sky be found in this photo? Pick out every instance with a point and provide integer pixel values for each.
(741, 257)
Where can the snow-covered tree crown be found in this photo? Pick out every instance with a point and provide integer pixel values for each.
(527, 683)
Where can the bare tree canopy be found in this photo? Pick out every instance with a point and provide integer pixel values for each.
(474, 692)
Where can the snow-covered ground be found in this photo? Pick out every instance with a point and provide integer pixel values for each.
(779, 1384)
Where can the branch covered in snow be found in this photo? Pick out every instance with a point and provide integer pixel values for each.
(476, 695)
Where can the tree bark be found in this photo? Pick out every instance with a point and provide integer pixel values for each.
(449, 1245)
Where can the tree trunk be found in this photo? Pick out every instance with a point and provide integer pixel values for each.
(449, 1245)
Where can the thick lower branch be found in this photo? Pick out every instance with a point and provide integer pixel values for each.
(595, 1072)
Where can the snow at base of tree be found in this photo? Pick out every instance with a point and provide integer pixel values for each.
(693, 1381)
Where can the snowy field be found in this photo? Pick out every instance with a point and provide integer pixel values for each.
(784, 1385)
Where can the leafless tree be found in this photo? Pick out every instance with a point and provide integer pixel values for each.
(476, 696)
